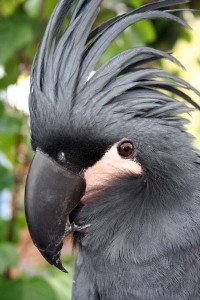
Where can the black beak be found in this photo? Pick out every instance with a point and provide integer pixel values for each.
(52, 192)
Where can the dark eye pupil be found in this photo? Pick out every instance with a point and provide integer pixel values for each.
(126, 148)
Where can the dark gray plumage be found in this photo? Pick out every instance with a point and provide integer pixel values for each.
(144, 238)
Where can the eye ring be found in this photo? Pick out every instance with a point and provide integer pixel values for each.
(125, 149)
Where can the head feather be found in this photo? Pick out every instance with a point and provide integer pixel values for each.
(123, 86)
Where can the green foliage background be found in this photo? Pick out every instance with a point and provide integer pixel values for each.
(22, 23)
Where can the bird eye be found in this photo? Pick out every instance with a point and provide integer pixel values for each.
(125, 149)
(61, 157)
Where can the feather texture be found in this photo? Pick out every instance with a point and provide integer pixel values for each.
(67, 57)
(144, 233)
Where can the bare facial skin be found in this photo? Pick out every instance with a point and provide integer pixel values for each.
(110, 166)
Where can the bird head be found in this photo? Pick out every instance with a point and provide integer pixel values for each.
(111, 132)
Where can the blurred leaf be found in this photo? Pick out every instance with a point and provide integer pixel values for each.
(12, 72)
(21, 220)
(33, 288)
(104, 15)
(15, 33)
(38, 288)
(3, 230)
(8, 257)
(2, 108)
(16, 233)
(135, 3)
(7, 178)
(8, 7)
(61, 282)
(7, 146)
(143, 32)
(10, 125)
(11, 289)
(62, 286)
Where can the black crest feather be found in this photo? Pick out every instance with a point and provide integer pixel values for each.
(61, 82)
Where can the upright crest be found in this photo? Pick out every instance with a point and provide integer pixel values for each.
(61, 85)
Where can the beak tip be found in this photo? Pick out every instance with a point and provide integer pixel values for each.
(53, 257)
(59, 265)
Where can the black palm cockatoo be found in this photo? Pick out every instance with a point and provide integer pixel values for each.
(113, 163)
